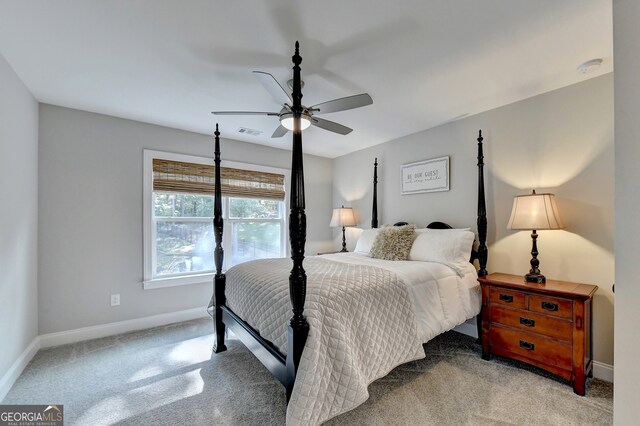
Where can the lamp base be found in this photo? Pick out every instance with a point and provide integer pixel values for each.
(344, 242)
(535, 278)
(534, 275)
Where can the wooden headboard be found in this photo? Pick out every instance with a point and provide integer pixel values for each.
(481, 253)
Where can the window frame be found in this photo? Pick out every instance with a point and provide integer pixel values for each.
(149, 232)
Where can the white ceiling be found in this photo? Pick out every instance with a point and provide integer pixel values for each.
(423, 62)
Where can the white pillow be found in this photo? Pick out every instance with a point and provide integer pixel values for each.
(366, 240)
(451, 247)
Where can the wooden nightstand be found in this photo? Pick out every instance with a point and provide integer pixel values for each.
(547, 325)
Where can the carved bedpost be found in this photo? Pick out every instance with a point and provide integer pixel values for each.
(218, 254)
(374, 210)
(482, 212)
(298, 326)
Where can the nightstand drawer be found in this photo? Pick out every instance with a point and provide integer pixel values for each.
(536, 347)
(506, 297)
(551, 306)
(535, 323)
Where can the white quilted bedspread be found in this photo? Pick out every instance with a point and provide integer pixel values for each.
(361, 326)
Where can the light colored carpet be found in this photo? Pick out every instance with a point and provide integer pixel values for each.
(168, 376)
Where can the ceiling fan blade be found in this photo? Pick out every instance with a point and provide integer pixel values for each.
(273, 87)
(343, 104)
(330, 126)
(280, 132)
(243, 113)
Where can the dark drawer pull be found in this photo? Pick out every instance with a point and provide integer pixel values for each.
(526, 345)
(506, 298)
(548, 306)
(528, 322)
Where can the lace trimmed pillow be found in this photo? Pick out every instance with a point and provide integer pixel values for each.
(394, 242)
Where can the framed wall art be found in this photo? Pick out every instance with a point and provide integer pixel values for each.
(426, 176)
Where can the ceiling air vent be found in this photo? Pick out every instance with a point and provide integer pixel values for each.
(247, 131)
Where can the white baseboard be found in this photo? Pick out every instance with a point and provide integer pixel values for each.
(87, 333)
(104, 330)
(601, 370)
(17, 367)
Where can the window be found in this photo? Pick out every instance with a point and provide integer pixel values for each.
(254, 229)
(178, 213)
(184, 239)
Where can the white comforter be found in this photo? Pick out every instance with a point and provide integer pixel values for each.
(363, 321)
(442, 299)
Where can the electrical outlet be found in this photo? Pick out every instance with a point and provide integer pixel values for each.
(115, 300)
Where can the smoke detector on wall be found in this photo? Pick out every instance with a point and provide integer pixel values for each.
(589, 66)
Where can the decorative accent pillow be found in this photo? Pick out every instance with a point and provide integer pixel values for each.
(365, 242)
(451, 247)
(394, 242)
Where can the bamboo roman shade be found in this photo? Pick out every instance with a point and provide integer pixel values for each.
(177, 176)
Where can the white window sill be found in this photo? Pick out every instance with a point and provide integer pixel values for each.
(178, 281)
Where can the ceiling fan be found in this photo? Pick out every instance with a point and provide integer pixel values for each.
(308, 118)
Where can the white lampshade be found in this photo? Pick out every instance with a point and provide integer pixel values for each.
(287, 121)
(535, 212)
(342, 217)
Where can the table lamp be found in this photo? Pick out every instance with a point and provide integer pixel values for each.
(535, 212)
(343, 217)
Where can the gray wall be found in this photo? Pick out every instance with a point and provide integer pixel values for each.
(18, 216)
(561, 142)
(626, 39)
(91, 214)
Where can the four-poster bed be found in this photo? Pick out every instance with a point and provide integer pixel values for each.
(252, 316)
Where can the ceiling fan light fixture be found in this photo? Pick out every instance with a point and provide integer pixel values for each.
(287, 121)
